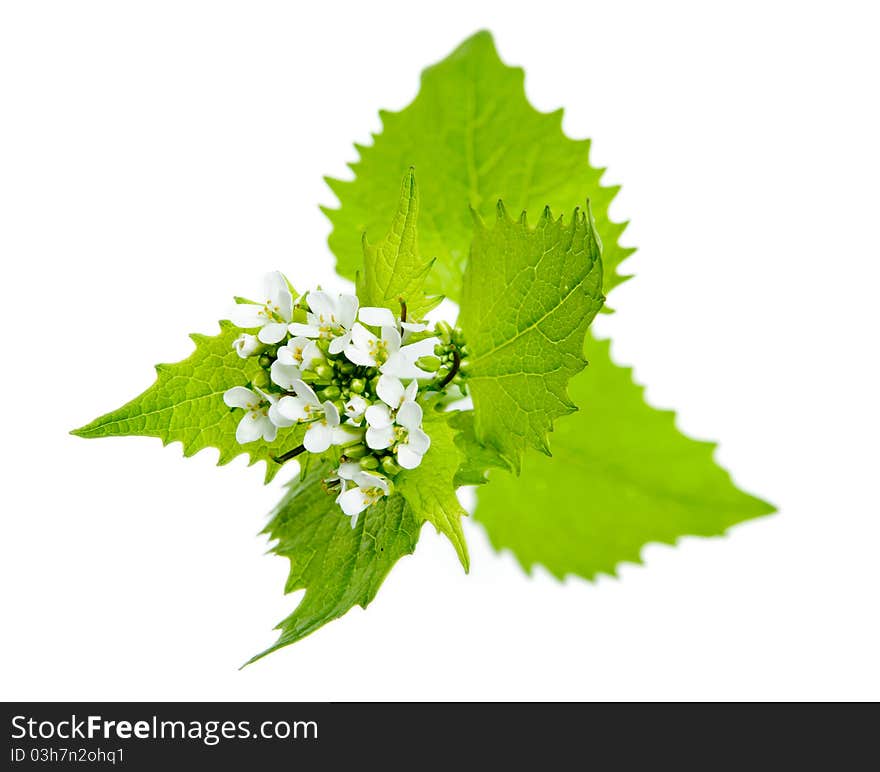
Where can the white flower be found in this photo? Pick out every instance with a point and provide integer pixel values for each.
(377, 317)
(355, 408)
(255, 424)
(369, 488)
(398, 422)
(348, 470)
(331, 316)
(386, 353)
(382, 317)
(324, 430)
(246, 345)
(297, 355)
(284, 375)
(408, 328)
(273, 315)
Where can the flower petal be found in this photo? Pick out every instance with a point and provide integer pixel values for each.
(413, 326)
(371, 480)
(305, 392)
(248, 429)
(390, 391)
(279, 420)
(304, 330)
(361, 337)
(348, 470)
(378, 416)
(418, 441)
(268, 430)
(410, 415)
(274, 332)
(311, 355)
(359, 356)
(344, 434)
(392, 337)
(321, 304)
(331, 414)
(407, 457)
(317, 438)
(411, 391)
(270, 398)
(292, 408)
(353, 502)
(284, 375)
(347, 310)
(247, 315)
(377, 317)
(356, 406)
(245, 345)
(239, 396)
(420, 348)
(379, 438)
(278, 292)
(338, 344)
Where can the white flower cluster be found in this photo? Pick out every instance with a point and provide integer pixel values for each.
(322, 366)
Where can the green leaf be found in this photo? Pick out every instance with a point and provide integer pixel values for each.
(621, 476)
(429, 489)
(476, 459)
(185, 405)
(393, 269)
(338, 566)
(473, 138)
(528, 297)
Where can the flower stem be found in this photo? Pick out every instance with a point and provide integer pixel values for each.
(402, 309)
(290, 454)
(456, 363)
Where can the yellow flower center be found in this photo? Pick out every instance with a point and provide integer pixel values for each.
(379, 350)
(271, 311)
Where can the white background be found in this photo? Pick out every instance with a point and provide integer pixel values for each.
(157, 158)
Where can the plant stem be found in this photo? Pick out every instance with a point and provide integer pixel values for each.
(290, 454)
(456, 362)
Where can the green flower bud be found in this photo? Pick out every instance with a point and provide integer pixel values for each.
(331, 392)
(261, 379)
(442, 373)
(324, 372)
(370, 462)
(439, 350)
(464, 364)
(444, 331)
(431, 364)
(340, 406)
(390, 467)
(458, 336)
(357, 385)
(323, 344)
(265, 360)
(357, 451)
(346, 367)
(309, 375)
